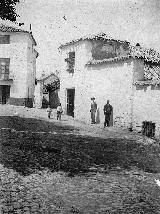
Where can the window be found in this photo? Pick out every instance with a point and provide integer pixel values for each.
(4, 39)
(4, 68)
(70, 62)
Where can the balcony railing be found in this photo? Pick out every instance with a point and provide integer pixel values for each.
(6, 77)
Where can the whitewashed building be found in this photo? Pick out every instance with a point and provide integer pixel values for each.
(107, 68)
(17, 66)
(46, 91)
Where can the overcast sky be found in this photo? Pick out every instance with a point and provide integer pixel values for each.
(58, 21)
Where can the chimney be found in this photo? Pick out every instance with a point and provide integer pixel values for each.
(30, 28)
(20, 24)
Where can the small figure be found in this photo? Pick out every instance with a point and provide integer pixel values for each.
(44, 102)
(93, 110)
(107, 112)
(49, 110)
(59, 111)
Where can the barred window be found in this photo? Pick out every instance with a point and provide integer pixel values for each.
(70, 62)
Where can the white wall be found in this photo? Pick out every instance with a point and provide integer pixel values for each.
(110, 81)
(31, 69)
(17, 52)
(113, 81)
(22, 64)
(68, 80)
(38, 94)
(107, 81)
(146, 105)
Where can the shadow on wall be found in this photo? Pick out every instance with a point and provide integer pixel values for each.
(141, 87)
(145, 87)
(98, 116)
(111, 119)
(54, 99)
(155, 87)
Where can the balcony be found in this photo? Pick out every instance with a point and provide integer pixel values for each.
(6, 79)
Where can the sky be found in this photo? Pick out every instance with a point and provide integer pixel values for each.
(55, 22)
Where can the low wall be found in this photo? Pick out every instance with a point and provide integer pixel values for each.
(146, 106)
(28, 102)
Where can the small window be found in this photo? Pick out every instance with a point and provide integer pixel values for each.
(70, 62)
(4, 39)
(4, 65)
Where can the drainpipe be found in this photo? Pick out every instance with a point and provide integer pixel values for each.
(28, 98)
(132, 100)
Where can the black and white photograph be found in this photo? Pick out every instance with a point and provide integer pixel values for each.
(80, 106)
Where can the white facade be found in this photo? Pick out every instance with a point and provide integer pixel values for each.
(41, 92)
(22, 67)
(109, 80)
(105, 81)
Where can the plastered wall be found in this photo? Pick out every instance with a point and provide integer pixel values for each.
(146, 105)
(106, 81)
(17, 52)
(22, 65)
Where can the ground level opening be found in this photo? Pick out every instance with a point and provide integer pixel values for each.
(70, 102)
(4, 93)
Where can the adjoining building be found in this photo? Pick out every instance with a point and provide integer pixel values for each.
(108, 69)
(17, 66)
(46, 91)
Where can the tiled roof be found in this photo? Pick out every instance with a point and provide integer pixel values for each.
(95, 62)
(103, 36)
(148, 55)
(147, 82)
(4, 28)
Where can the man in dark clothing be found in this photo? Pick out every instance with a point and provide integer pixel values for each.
(107, 112)
(93, 110)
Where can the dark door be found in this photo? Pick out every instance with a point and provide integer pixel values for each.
(70, 102)
(54, 99)
(5, 93)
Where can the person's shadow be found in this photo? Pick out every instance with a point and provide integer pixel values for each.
(98, 116)
(111, 119)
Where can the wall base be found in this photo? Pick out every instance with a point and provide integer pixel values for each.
(27, 102)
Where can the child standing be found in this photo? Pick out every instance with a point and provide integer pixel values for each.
(59, 111)
(49, 110)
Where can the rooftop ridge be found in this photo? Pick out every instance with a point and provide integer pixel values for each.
(10, 29)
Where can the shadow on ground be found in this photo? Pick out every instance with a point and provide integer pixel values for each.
(32, 124)
(29, 151)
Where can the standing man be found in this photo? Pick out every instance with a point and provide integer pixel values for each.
(107, 112)
(93, 110)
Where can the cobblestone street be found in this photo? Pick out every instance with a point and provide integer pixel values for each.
(50, 166)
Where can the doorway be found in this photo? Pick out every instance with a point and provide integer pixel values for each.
(4, 93)
(70, 102)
